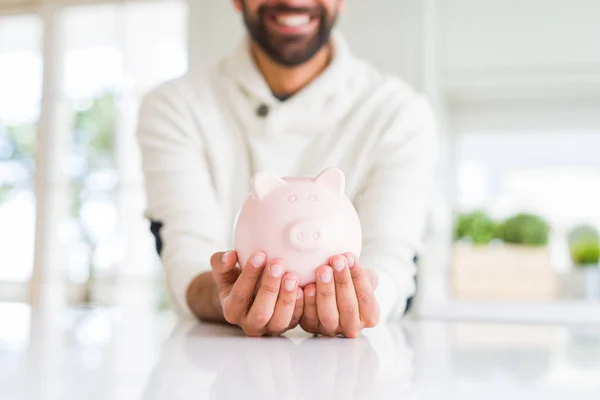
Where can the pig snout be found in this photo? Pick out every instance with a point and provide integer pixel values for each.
(306, 235)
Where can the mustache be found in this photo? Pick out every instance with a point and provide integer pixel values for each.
(284, 8)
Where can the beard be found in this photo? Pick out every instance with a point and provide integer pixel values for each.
(289, 50)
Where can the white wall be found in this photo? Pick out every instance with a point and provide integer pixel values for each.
(536, 49)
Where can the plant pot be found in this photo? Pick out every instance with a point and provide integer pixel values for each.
(503, 272)
(583, 283)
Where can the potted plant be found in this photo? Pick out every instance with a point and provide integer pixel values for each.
(505, 260)
(584, 248)
(475, 227)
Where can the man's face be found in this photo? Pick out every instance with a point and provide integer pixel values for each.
(290, 32)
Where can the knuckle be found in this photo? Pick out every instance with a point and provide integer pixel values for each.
(287, 301)
(329, 322)
(371, 320)
(276, 328)
(307, 326)
(259, 319)
(348, 313)
(364, 297)
(343, 281)
(352, 333)
(357, 274)
(239, 297)
(251, 332)
(327, 293)
(294, 323)
(270, 287)
(230, 316)
(329, 332)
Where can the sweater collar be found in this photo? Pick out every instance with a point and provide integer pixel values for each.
(240, 66)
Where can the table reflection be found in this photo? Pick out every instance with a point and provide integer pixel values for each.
(218, 362)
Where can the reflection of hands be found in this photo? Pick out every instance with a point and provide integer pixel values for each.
(217, 361)
(318, 368)
(261, 370)
(336, 369)
(342, 301)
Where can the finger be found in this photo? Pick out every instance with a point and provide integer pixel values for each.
(310, 320)
(326, 304)
(224, 271)
(373, 277)
(262, 309)
(345, 296)
(237, 302)
(367, 304)
(298, 310)
(284, 307)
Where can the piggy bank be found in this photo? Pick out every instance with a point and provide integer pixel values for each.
(301, 220)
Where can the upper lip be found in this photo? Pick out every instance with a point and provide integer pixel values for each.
(279, 12)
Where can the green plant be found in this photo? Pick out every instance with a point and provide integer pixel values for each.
(584, 245)
(475, 226)
(524, 229)
(585, 252)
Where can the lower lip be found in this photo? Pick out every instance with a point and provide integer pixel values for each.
(292, 30)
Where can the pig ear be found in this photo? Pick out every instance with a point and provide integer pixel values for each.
(333, 178)
(265, 182)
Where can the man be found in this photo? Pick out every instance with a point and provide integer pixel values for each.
(291, 99)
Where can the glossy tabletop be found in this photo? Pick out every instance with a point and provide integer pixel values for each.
(112, 354)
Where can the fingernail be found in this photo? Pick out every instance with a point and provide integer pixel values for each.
(258, 260)
(326, 275)
(224, 258)
(338, 264)
(289, 284)
(276, 270)
(311, 291)
(350, 258)
(299, 294)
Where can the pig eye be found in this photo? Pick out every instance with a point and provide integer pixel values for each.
(311, 197)
(292, 198)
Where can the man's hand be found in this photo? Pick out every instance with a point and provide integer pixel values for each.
(261, 299)
(342, 301)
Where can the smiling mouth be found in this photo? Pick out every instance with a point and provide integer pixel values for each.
(293, 21)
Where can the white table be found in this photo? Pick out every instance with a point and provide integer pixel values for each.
(111, 354)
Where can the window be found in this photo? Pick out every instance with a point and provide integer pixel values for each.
(20, 93)
(102, 58)
(114, 53)
(522, 197)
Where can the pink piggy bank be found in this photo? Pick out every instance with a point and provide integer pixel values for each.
(301, 220)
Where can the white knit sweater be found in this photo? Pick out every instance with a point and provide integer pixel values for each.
(202, 138)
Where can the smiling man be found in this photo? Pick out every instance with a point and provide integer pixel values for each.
(292, 99)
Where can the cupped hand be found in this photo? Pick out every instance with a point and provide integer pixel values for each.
(261, 298)
(342, 301)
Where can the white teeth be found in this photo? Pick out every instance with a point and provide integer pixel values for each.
(293, 20)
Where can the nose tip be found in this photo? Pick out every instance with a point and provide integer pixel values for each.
(305, 235)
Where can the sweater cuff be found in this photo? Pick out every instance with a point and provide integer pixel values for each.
(395, 286)
(390, 297)
(178, 283)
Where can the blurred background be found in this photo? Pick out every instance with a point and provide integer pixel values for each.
(512, 237)
(515, 85)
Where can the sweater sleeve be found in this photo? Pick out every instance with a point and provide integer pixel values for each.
(394, 204)
(179, 189)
